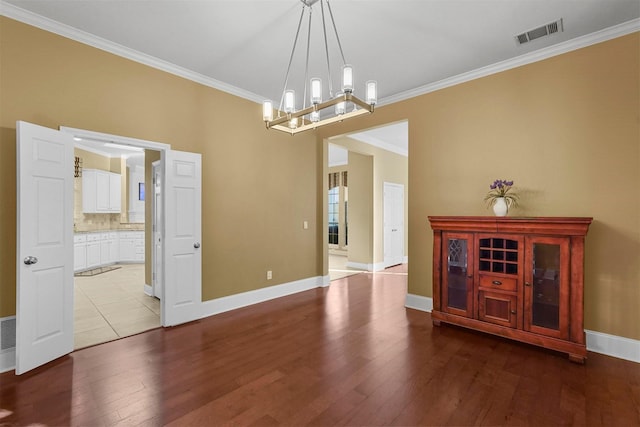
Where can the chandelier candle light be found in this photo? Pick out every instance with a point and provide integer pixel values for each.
(345, 104)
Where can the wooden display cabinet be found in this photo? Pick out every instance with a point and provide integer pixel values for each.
(520, 278)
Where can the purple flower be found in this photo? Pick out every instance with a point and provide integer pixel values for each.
(501, 188)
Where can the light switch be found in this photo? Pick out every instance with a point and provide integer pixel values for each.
(305, 224)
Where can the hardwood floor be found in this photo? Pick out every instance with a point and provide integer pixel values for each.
(349, 354)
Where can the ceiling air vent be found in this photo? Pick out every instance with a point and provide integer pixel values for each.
(536, 33)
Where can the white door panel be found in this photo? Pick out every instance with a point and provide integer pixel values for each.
(182, 298)
(44, 303)
(393, 224)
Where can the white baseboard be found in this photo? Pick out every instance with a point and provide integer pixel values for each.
(7, 343)
(418, 302)
(613, 345)
(326, 281)
(598, 342)
(8, 360)
(232, 302)
(367, 267)
(148, 290)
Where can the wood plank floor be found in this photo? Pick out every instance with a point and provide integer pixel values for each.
(350, 354)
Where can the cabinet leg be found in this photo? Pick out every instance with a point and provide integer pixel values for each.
(436, 322)
(576, 358)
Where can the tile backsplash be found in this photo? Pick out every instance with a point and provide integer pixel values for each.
(95, 221)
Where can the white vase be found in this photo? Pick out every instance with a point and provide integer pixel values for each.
(500, 207)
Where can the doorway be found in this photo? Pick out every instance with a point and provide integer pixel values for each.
(114, 295)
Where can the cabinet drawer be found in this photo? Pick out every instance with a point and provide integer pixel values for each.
(93, 237)
(495, 282)
(79, 238)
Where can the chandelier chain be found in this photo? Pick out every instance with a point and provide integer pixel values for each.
(306, 67)
(335, 29)
(326, 48)
(293, 50)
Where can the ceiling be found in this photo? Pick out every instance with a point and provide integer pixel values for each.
(243, 46)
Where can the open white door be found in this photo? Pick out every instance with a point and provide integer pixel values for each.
(393, 216)
(44, 306)
(182, 299)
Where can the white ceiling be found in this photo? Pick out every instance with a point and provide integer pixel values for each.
(243, 46)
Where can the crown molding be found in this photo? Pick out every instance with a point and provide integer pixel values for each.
(30, 18)
(50, 25)
(528, 58)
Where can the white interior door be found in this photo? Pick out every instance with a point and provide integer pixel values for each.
(393, 224)
(44, 303)
(182, 299)
(156, 207)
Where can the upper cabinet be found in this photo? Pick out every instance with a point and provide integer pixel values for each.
(101, 191)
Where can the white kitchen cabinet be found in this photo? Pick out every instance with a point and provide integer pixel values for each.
(93, 250)
(79, 252)
(97, 249)
(101, 191)
(114, 249)
(132, 246)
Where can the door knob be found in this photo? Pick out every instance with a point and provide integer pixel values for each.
(30, 260)
(196, 245)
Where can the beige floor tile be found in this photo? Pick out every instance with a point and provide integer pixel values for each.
(338, 267)
(120, 306)
(130, 316)
(151, 303)
(112, 301)
(131, 328)
(88, 323)
(94, 336)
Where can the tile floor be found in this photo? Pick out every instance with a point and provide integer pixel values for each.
(112, 305)
(338, 266)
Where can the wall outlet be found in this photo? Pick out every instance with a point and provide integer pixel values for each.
(305, 224)
(269, 274)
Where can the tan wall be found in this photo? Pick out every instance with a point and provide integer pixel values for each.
(258, 185)
(360, 208)
(567, 131)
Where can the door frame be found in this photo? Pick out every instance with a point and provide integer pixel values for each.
(92, 136)
(157, 280)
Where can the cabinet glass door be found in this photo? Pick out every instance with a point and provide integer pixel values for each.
(547, 293)
(457, 290)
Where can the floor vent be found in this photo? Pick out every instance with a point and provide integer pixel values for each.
(536, 33)
(7, 333)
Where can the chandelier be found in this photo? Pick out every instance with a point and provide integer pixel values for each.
(317, 112)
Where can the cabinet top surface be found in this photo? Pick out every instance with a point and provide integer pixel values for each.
(547, 225)
(512, 218)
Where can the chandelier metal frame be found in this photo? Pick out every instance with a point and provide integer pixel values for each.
(291, 121)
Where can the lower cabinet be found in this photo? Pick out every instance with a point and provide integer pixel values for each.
(79, 252)
(93, 250)
(132, 246)
(520, 278)
(98, 249)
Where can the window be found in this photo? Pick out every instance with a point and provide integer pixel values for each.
(334, 204)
